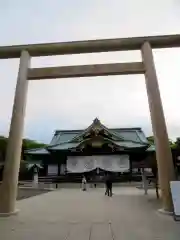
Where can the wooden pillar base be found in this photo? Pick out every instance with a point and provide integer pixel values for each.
(165, 212)
(6, 214)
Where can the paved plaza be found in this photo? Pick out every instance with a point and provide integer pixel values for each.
(70, 214)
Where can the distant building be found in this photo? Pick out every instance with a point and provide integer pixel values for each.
(93, 150)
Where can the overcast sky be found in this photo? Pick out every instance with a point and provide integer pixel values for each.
(118, 101)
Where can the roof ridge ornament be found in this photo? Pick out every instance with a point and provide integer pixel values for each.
(96, 120)
(96, 126)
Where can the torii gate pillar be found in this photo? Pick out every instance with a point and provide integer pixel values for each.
(163, 151)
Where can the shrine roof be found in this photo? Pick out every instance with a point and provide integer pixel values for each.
(40, 151)
(151, 148)
(123, 144)
(128, 144)
(127, 134)
(68, 139)
(64, 146)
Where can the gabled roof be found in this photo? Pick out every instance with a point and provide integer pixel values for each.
(96, 126)
(68, 139)
(121, 134)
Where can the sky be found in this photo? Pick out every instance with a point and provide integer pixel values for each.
(118, 101)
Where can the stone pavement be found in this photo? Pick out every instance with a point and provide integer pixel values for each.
(70, 214)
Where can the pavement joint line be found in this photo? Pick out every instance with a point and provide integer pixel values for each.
(111, 231)
(90, 231)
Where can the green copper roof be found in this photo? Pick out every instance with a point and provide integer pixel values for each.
(126, 134)
(131, 134)
(124, 144)
(151, 148)
(37, 151)
(127, 144)
(68, 139)
(64, 146)
(64, 136)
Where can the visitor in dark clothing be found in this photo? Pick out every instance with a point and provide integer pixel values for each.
(108, 183)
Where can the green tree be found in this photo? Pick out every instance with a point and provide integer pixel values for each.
(26, 144)
(30, 144)
(3, 144)
(177, 144)
(152, 142)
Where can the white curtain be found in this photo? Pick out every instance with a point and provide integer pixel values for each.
(112, 163)
(78, 164)
(52, 169)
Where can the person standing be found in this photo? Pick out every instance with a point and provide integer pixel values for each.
(108, 183)
(84, 182)
(105, 181)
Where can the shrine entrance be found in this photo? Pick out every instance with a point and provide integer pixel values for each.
(146, 67)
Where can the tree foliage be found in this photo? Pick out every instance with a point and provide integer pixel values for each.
(151, 140)
(30, 144)
(172, 144)
(26, 144)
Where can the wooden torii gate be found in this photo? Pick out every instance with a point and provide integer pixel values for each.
(8, 189)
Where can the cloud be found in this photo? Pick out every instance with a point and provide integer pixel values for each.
(73, 103)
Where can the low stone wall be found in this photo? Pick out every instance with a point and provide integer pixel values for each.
(50, 186)
(89, 185)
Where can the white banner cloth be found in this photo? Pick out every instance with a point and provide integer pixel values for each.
(52, 169)
(112, 163)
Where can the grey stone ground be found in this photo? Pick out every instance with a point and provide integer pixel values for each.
(72, 214)
(26, 193)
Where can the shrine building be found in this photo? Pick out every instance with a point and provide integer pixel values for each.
(92, 151)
